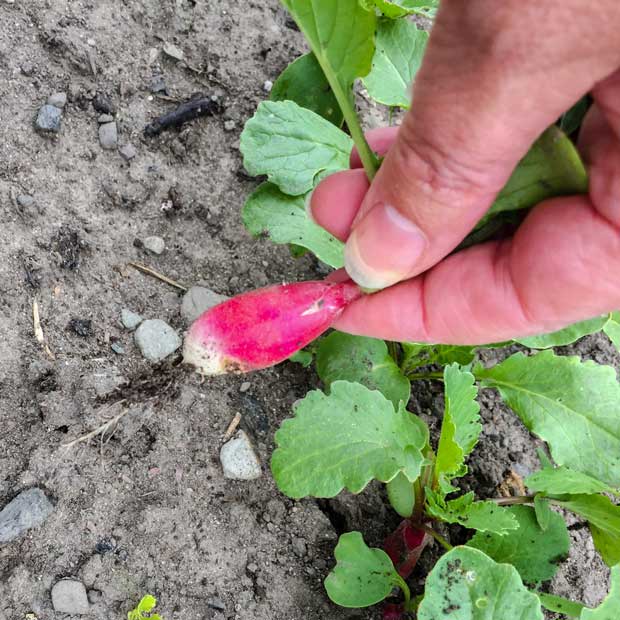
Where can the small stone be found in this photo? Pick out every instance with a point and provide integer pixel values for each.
(172, 51)
(230, 125)
(157, 84)
(156, 340)
(29, 509)
(92, 569)
(245, 386)
(239, 459)
(128, 151)
(69, 597)
(155, 245)
(299, 547)
(105, 118)
(267, 86)
(252, 568)
(108, 136)
(198, 300)
(129, 319)
(25, 201)
(81, 327)
(59, 100)
(48, 119)
(102, 104)
(216, 603)
(117, 348)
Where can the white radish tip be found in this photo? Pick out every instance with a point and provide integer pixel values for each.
(206, 359)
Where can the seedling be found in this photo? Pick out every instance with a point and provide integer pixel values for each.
(143, 609)
(359, 429)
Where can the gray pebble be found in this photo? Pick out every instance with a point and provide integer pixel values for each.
(157, 84)
(129, 319)
(92, 569)
(58, 100)
(156, 339)
(48, 119)
(230, 125)
(239, 459)
(25, 201)
(155, 245)
(128, 151)
(198, 300)
(299, 547)
(105, 118)
(108, 136)
(216, 603)
(29, 509)
(245, 386)
(69, 597)
(117, 348)
(267, 86)
(173, 51)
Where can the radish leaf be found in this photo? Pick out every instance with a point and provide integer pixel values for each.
(362, 576)
(363, 360)
(565, 336)
(292, 146)
(534, 552)
(304, 82)
(345, 440)
(399, 8)
(603, 517)
(285, 220)
(400, 49)
(461, 422)
(562, 480)
(571, 405)
(466, 584)
(484, 516)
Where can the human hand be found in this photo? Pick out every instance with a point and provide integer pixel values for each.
(494, 77)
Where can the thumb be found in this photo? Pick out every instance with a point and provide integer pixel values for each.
(494, 77)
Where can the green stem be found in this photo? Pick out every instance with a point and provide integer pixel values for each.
(438, 537)
(401, 583)
(426, 375)
(420, 500)
(414, 603)
(512, 501)
(561, 605)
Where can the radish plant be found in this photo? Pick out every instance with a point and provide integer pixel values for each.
(359, 429)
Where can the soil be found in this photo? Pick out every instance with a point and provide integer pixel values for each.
(146, 508)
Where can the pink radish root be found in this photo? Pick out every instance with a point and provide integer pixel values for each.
(264, 327)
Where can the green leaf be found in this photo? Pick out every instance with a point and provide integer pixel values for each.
(399, 8)
(345, 440)
(571, 120)
(285, 220)
(543, 511)
(361, 360)
(612, 329)
(565, 336)
(604, 519)
(562, 480)
(461, 422)
(416, 355)
(552, 167)
(293, 146)
(302, 357)
(145, 606)
(609, 609)
(362, 576)
(400, 47)
(341, 35)
(485, 516)
(465, 584)
(560, 605)
(572, 405)
(534, 552)
(304, 82)
(401, 495)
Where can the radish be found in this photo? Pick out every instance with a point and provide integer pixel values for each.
(264, 327)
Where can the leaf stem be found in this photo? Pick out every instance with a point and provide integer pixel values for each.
(438, 376)
(512, 501)
(438, 537)
(402, 584)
